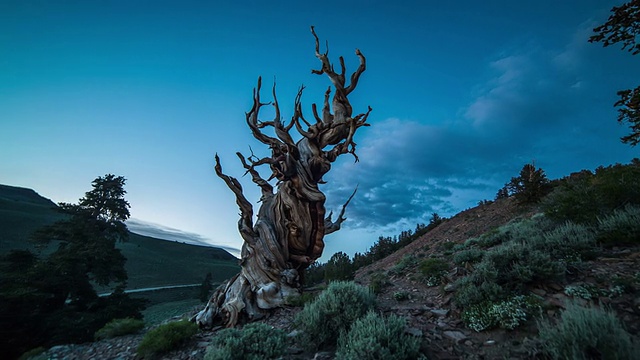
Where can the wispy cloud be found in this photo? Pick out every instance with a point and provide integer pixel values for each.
(167, 233)
(536, 104)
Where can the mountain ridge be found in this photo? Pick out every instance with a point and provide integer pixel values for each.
(150, 262)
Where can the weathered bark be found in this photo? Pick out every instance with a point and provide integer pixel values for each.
(291, 223)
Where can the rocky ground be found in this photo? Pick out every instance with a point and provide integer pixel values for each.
(429, 311)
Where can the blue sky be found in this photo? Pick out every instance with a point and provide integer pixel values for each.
(464, 94)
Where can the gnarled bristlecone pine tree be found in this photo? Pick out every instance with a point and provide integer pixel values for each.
(291, 223)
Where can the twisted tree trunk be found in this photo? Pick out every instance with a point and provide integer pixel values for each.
(291, 223)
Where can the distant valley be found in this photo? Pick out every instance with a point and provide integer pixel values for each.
(151, 262)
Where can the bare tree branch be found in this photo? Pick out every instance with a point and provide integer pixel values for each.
(245, 224)
(331, 226)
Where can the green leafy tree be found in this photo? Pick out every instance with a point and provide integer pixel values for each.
(339, 267)
(503, 193)
(51, 300)
(87, 236)
(530, 186)
(623, 26)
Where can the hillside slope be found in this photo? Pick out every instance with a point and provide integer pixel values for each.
(432, 311)
(151, 262)
(464, 225)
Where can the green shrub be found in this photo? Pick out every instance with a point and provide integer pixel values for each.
(507, 269)
(373, 337)
(256, 341)
(432, 270)
(378, 282)
(587, 291)
(166, 337)
(620, 227)
(333, 312)
(507, 314)
(470, 292)
(406, 262)
(35, 354)
(301, 299)
(568, 242)
(470, 256)
(586, 196)
(515, 264)
(401, 295)
(587, 333)
(119, 327)
(491, 238)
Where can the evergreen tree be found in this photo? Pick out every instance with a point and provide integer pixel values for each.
(623, 26)
(338, 268)
(530, 186)
(87, 236)
(503, 193)
(51, 300)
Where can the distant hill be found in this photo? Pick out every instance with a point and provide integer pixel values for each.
(151, 262)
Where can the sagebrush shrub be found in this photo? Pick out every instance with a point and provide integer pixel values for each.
(515, 264)
(119, 327)
(569, 242)
(583, 333)
(472, 291)
(378, 282)
(255, 341)
(432, 270)
(402, 265)
(374, 337)
(166, 337)
(333, 312)
(620, 227)
(470, 256)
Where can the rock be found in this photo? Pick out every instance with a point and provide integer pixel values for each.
(294, 350)
(457, 336)
(489, 342)
(440, 312)
(539, 292)
(323, 355)
(294, 333)
(413, 331)
(555, 286)
(450, 287)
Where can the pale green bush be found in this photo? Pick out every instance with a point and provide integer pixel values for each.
(470, 256)
(432, 270)
(373, 337)
(119, 327)
(166, 337)
(333, 312)
(584, 332)
(256, 341)
(620, 227)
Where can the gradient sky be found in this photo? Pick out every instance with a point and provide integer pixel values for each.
(463, 93)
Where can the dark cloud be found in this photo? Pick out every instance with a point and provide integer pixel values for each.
(167, 233)
(536, 105)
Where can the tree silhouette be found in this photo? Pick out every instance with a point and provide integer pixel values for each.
(530, 186)
(623, 26)
(52, 300)
(291, 222)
